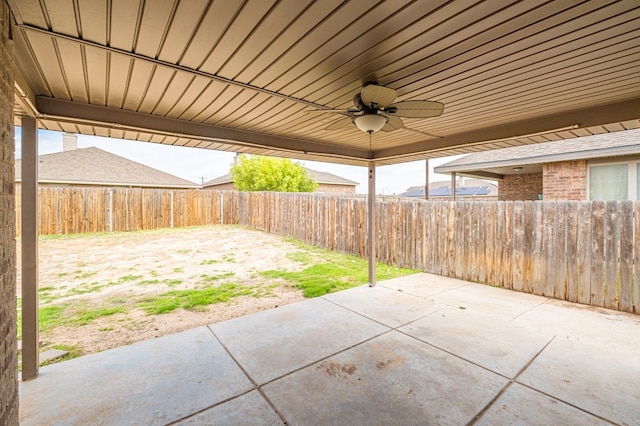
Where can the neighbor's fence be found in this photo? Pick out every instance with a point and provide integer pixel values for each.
(586, 252)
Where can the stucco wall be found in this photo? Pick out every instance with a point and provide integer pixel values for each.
(336, 189)
(565, 180)
(521, 186)
(8, 354)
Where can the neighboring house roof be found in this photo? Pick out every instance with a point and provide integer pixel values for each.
(320, 177)
(93, 166)
(502, 161)
(468, 188)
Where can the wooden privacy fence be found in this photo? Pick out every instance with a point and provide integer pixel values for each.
(586, 252)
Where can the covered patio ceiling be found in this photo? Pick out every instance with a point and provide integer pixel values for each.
(240, 75)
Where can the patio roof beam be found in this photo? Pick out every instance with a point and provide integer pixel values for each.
(117, 118)
(586, 117)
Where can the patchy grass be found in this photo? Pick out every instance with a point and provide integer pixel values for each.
(193, 299)
(332, 271)
(210, 278)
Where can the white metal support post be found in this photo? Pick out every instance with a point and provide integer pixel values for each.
(30, 334)
(371, 210)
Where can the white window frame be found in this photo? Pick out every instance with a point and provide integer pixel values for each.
(632, 175)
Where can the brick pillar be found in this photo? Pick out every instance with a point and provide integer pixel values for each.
(8, 315)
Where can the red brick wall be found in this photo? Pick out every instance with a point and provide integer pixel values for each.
(8, 315)
(520, 186)
(565, 180)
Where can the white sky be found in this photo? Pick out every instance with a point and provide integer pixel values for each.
(196, 164)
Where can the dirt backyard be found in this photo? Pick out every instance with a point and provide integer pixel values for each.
(107, 290)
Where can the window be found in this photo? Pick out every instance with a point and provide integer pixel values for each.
(618, 181)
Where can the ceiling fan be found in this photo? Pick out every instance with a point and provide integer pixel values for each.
(375, 110)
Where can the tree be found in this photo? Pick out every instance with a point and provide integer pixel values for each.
(258, 173)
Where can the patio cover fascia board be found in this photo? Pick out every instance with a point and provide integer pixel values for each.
(582, 118)
(549, 158)
(62, 110)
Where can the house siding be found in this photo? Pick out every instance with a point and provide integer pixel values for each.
(525, 186)
(8, 314)
(565, 180)
(336, 189)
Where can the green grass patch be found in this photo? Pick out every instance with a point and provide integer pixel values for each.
(73, 352)
(192, 299)
(209, 261)
(85, 316)
(178, 270)
(210, 278)
(148, 282)
(130, 277)
(301, 256)
(341, 273)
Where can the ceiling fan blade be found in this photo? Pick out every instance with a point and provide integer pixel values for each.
(338, 124)
(379, 95)
(415, 109)
(394, 123)
(332, 111)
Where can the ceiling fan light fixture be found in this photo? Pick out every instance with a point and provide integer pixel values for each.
(370, 122)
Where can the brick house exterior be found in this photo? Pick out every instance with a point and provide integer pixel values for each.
(8, 313)
(523, 186)
(556, 170)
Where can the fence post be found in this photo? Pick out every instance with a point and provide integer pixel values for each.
(171, 209)
(110, 210)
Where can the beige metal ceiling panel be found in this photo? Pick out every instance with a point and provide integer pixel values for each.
(178, 84)
(96, 70)
(327, 52)
(298, 29)
(141, 73)
(211, 27)
(155, 18)
(94, 21)
(224, 94)
(423, 36)
(270, 29)
(196, 88)
(156, 88)
(45, 50)
(29, 12)
(123, 31)
(184, 23)
(251, 70)
(202, 100)
(73, 67)
(248, 18)
(61, 15)
(118, 79)
(331, 26)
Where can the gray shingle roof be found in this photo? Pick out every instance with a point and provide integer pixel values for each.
(586, 147)
(93, 166)
(320, 177)
(470, 187)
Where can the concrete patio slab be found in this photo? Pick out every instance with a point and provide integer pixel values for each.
(365, 356)
(151, 382)
(423, 285)
(392, 308)
(519, 405)
(498, 346)
(392, 379)
(597, 379)
(272, 343)
(249, 409)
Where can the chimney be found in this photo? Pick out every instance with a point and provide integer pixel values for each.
(69, 142)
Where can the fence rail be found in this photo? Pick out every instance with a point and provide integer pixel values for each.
(585, 252)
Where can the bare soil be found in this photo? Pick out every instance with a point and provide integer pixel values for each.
(104, 270)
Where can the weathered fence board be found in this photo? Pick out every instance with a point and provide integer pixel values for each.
(586, 252)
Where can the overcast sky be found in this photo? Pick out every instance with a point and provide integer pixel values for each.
(197, 164)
